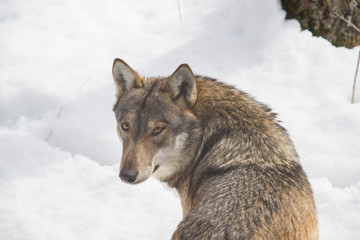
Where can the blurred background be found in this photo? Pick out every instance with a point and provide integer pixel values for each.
(59, 151)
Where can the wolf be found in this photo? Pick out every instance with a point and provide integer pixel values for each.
(235, 169)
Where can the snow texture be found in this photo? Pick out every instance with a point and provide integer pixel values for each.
(59, 152)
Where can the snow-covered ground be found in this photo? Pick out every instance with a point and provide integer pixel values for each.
(59, 152)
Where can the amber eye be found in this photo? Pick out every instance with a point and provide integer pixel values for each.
(157, 131)
(125, 126)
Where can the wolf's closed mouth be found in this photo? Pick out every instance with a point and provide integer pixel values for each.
(156, 168)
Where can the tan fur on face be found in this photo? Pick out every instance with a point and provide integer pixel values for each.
(144, 162)
(137, 158)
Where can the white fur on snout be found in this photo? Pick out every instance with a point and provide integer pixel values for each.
(169, 159)
(144, 170)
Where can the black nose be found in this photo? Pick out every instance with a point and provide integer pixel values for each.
(128, 176)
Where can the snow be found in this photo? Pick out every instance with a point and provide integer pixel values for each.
(59, 152)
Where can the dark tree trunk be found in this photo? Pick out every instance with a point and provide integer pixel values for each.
(335, 20)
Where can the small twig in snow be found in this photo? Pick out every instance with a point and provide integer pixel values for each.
(49, 135)
(59, 113)
(354, 85)
(83, 85)
(52, 130)
(61, 108)
(178, 3)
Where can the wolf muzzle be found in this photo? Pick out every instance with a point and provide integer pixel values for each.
(128, 176)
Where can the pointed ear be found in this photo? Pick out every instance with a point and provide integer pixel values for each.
(182, 86)
(125, 77)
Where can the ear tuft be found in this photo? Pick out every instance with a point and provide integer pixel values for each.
(125, 77)
(182, 86)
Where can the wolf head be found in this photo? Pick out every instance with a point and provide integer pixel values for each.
(155, 122)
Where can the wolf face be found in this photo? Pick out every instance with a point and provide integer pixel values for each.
(154, 122)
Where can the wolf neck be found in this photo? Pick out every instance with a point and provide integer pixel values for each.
(229, 138)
